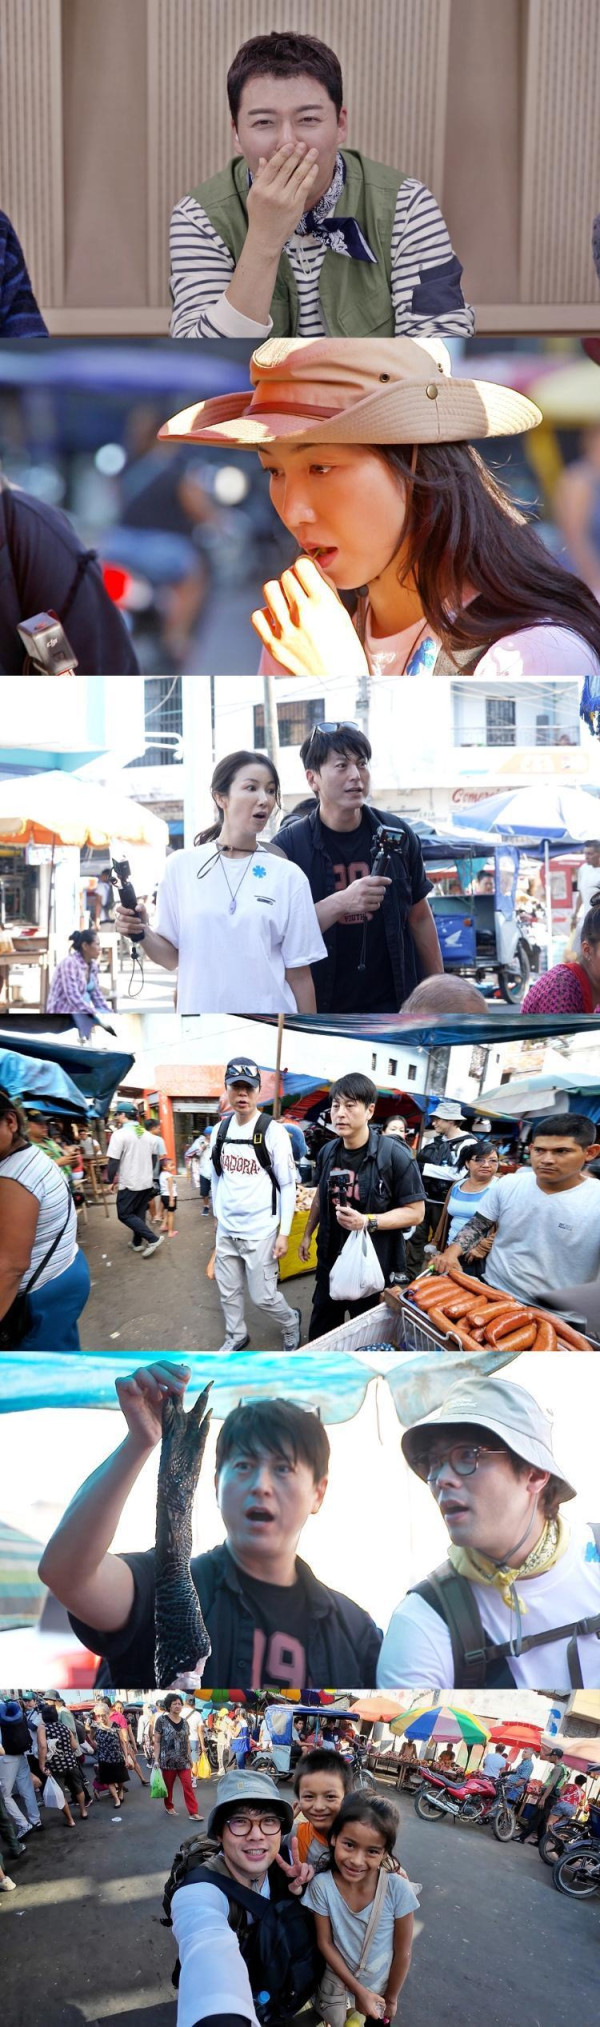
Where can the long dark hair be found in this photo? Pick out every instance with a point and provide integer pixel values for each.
(463, 528)
(224, 774)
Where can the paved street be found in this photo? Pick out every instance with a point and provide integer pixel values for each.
(167, 1303)
(82, 1944)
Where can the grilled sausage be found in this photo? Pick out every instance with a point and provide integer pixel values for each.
(514, 1320)
(546, 1338)
(520, 1340)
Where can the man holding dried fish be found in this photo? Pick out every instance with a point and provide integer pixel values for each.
(246, 1612)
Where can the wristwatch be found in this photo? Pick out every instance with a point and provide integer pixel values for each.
(372, 1222)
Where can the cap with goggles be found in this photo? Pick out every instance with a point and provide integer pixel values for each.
(241, 1071)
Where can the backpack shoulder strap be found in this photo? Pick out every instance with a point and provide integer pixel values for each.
(452, 1597)
(242, 1896)
(216, 1150)
(259, 1143)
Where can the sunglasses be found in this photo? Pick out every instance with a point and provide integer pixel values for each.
(332, 725)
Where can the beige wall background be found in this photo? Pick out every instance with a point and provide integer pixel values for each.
(111, 109)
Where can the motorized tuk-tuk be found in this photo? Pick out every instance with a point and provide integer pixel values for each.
(476, 915)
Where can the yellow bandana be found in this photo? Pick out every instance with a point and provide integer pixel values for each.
(552, 1544)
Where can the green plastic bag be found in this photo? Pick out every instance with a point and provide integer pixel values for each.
(158, 1791)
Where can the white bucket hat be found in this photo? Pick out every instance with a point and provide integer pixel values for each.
(251, 1789)
(449, 1108)
(504, 1408)
(354, 390)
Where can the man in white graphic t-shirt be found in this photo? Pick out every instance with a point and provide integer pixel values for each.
(254, 1199)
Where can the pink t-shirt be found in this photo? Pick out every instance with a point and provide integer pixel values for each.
(536, 651)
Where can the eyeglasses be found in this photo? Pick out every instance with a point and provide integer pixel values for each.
(240, 1825)
(463, 1459)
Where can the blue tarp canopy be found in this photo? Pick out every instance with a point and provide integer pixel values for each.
(94, 1074)
(23, 1077)
(332, 1383)
(429, 1034)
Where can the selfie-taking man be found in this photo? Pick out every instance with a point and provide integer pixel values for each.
(218, 1982)
(270, 1621)
(299, 234)
(365, 1181)
(517, 1604)
(378, 927)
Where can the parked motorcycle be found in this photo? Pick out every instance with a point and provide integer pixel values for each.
(554, 1843)
(474, 1800)
(578, 1871)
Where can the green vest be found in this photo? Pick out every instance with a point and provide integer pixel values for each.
(355, 296)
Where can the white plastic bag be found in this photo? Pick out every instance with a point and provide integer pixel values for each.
(356, 1273)
(53, 1797)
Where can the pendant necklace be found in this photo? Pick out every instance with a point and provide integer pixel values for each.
(233, 895)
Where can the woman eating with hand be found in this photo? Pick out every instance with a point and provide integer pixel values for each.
(234, 880)
(368, 446)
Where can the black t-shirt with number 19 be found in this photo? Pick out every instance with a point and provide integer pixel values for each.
(370, 990)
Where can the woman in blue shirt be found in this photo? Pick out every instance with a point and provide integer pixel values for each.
(479, 1168)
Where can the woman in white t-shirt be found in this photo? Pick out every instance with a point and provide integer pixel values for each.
(235, 917)
(39, 1255)
(368, 446)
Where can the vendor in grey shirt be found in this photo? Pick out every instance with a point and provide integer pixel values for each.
(546, 1218)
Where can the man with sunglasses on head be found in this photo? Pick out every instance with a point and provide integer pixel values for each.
(254, 1199)
(379, 930)
(517, 1603)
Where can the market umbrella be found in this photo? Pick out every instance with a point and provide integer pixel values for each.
(443, 1721)
(378, 1709)
(581, 1753)
(517, 1732)
(544, 812)
(61, 809)
(520, 1096)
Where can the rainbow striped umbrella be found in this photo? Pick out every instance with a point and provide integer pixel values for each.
(442, 1721)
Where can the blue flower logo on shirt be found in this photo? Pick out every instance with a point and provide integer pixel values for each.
(423, 658)
(259, 872)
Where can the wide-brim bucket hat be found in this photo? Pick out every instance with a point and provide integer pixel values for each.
(250, 1789)
(503, 1408)
(354, 391)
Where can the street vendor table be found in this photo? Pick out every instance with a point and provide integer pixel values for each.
(33, 951)
(291, 1264)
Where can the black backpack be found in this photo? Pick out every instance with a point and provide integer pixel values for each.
(258, 1143)
(481, 1663)
(278, 1948)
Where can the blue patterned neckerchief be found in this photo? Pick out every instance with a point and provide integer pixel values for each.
(341, 235)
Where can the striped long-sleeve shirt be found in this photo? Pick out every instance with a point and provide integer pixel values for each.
(75, 985)
(425, 286)
(19, 314)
